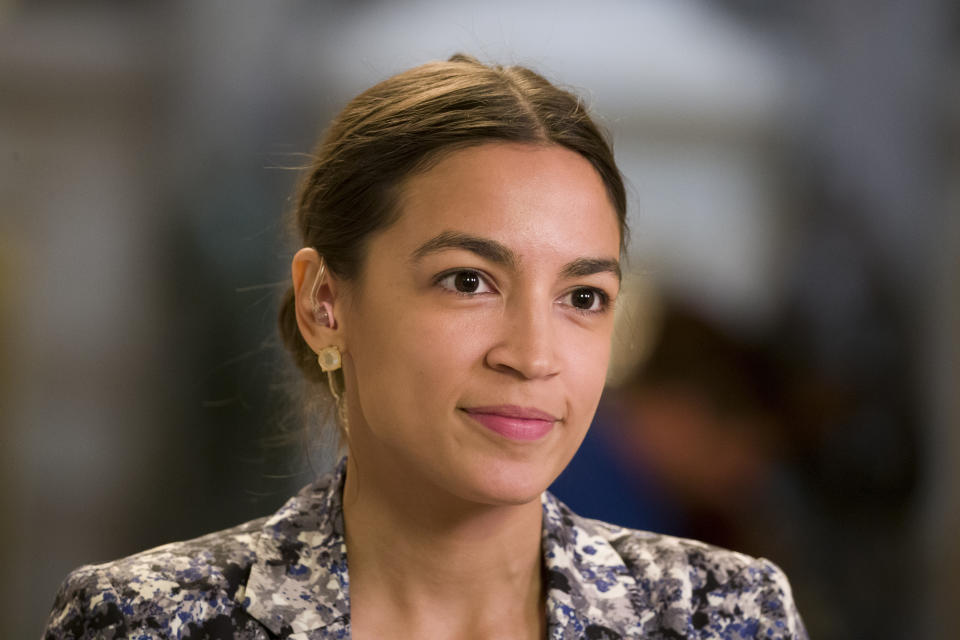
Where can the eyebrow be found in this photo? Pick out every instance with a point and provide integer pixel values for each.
(500, 254)
(588, 266)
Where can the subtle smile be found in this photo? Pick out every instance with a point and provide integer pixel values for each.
(524, 424)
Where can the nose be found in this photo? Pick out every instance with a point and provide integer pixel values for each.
(527, 345)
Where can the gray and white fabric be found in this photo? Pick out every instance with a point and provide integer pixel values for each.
(287, 577)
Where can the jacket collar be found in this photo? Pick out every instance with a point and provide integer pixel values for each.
(299, 586)
(590, 591)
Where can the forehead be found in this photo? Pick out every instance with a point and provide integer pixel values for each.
(532, 198)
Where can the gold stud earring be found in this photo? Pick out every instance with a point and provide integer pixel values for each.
(330, 361)
(329, 358)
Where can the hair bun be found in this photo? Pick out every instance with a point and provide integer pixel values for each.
(462, 57)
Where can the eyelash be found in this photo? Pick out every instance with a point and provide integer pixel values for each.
(446, 275)
(603, 297)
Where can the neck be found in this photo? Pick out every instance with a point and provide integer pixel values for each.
(415, 550)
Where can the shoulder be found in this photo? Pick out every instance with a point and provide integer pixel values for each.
(686, 588)
(171, 591)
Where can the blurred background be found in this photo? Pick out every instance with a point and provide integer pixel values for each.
(785, 376)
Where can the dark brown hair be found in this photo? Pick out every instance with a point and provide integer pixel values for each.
(401, 125)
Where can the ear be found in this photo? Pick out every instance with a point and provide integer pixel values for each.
(318, 307)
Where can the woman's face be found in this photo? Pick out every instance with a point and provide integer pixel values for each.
(478, 333)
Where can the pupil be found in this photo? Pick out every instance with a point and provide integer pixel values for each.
(583, 298)
(467, 281)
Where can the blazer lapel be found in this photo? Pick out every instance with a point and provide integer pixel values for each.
(299, 585)
(590, 590)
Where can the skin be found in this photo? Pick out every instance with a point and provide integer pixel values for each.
(443, 514)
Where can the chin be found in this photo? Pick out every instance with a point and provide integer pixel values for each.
(505, 482)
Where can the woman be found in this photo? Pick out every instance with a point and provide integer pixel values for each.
(462, 227)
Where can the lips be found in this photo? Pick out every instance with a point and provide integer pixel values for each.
(522, 424)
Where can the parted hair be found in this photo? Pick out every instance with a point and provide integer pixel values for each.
(402, 126)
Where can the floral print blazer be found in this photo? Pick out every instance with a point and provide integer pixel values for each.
(286, 577)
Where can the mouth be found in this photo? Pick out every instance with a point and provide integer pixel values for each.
(521, 424)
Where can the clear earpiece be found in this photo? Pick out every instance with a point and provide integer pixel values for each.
(320, 313)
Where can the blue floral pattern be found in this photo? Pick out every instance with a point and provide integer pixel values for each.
(286, 577)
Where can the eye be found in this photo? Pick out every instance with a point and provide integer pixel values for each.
(464, 282)
(587, 299)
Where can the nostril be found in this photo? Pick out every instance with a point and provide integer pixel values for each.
(523, 360)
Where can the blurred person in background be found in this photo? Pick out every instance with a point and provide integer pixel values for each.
(747, 439)
(688, 441)
(462, 226)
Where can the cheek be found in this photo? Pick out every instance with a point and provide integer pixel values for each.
(410, 363)
(438, 353)
(585, 364)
